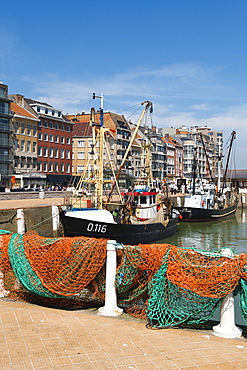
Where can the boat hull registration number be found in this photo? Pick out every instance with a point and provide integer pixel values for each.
(96, 228)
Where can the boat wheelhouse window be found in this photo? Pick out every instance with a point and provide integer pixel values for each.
(143, 199)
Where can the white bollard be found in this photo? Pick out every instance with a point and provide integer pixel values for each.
(110, 308)
(20, 221)
(227, 327)
(178, 201)
(55, 219)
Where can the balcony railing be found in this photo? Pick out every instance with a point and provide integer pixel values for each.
(6, 112)
(6, 158)
(5, 127)
(6, 143)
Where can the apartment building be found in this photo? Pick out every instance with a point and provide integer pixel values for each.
(84, 153)
(54, 145)
(25, 126)
(6, 141)
(118, 138)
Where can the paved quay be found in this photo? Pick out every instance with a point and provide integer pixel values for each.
(35, 337)
(28, 203)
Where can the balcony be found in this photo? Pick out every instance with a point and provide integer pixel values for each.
(6, 143)
(6, 112)
(4, 127)
(6, 158)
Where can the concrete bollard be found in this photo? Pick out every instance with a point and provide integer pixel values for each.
(20, 221)
(110, 308)
(227, 327)
(42, 194)
(55, 220)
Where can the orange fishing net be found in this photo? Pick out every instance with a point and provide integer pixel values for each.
(204, 275)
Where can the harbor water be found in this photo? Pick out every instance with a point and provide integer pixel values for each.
(212, 236)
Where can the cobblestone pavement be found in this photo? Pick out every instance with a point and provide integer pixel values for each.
(35, 337)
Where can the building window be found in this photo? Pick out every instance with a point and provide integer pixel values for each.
(51, 152)
(51, 138)
(28, 146)
(68, 140)
(45, 166)
(56, 152)
(40, 124)
(62, 139)
(62, 127)
(22, 145)
(68, 168)
(56, 139)
(16, 144)
(80, 168)
(40, 151)
(81, 144)
(68, 128)
(50, 167)
(39, 166)
(23, 128)
(81, 155)
(57, 126)
(34, 131)
(51, 124)
(45, 137)
(61, 167)
(40, 136)
(67, 154)
(45, 151)
(29, 129)
(56, 166)
(45, 124)
(34, 146)
(62, 153)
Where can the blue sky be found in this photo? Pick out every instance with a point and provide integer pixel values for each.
(188, 57)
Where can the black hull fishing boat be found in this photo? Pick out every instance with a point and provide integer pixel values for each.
(132, 234)
(142, 216)
(191, 214)
(209, 202)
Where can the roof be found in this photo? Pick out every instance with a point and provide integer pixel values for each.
(34, 102)
(21, 111)
(237, 174)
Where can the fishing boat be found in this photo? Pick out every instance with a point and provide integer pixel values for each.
(124, 223)
(209, 202)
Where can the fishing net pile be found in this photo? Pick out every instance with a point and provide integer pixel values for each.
(162, 283)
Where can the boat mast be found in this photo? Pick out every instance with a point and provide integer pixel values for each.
(194, 173)
(148, 105)
(206, 154)
(98, 162)
(233, 137)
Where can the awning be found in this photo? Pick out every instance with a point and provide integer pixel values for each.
(59, 179)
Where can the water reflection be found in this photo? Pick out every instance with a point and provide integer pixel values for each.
(212, 236)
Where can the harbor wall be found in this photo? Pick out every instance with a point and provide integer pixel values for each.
(39, 219)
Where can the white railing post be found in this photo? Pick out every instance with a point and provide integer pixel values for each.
(227, 327)
(110, 308)
(20, 221)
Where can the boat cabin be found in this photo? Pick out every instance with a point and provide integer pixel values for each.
(143, 201)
